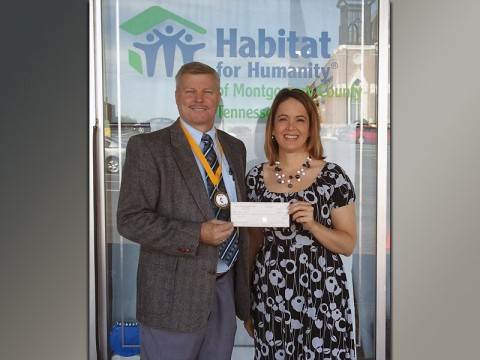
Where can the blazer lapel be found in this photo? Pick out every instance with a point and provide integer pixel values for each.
(188, 167)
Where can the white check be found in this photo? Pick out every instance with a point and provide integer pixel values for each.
(260, 214)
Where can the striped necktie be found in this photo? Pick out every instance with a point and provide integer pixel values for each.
(228, 250)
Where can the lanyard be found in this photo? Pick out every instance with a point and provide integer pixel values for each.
(214, 177)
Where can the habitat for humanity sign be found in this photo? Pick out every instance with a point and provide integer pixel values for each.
(147, 52)
(256, 53)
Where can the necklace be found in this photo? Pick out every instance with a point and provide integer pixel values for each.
(282, 178)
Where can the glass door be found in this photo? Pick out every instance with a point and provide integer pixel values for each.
(331, 49)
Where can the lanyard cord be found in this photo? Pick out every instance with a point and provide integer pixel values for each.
(214, 177)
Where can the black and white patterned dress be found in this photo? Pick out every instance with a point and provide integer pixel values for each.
(300, 296)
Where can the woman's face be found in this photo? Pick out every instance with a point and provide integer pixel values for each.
(291, 126)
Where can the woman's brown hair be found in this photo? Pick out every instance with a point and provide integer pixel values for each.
(314, 142)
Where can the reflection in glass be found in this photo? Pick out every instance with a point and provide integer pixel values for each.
(347, 99)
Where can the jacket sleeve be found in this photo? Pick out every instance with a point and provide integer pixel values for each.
(141, 216)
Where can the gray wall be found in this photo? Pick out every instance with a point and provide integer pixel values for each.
(435, 177)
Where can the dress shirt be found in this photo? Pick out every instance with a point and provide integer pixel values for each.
(226, 173)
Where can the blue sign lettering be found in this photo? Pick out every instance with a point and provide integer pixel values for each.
(283, 45)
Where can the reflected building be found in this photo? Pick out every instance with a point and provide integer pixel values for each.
(353, 69)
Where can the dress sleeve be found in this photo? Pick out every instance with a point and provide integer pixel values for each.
(343, 189)
(251, 181)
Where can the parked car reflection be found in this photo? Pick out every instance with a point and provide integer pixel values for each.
(240, 131)
(142, 127)
(160, 123)
(113, 153)
(353, 132)
(128, 127)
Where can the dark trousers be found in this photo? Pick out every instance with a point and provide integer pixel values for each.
(214, 341)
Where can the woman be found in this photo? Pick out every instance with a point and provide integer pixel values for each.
(300, 297)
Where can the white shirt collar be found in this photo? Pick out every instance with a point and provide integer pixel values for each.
(197, 134)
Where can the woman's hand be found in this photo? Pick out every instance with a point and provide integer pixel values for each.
(249, 326)
(340, 238)
(302, 213)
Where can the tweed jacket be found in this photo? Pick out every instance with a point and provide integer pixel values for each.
(162, 205)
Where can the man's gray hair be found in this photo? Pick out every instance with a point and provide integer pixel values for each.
(196, 68)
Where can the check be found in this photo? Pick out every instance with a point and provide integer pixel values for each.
(259, 214)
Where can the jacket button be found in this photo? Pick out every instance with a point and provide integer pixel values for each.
(212, 272)
(186, 250)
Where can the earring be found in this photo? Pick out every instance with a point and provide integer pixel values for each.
(273, 138)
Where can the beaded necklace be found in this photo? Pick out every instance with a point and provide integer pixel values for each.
(282, 178)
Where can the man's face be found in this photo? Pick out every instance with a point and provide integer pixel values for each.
(197, 99)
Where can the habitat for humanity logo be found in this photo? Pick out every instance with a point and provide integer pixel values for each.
(145, 24)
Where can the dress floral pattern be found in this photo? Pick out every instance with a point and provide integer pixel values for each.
(300, 296)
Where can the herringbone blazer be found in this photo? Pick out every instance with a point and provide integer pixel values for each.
(162, 204)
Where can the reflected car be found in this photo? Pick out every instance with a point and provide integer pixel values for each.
(240, 131)
(112, 156)
(160, 123)
(353, 133)
(140, 127)
(368, 136)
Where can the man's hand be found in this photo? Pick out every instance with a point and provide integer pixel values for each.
(214, 232)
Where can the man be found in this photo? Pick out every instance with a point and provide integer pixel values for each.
(187, 291)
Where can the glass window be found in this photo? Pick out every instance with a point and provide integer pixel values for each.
(328, 48)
